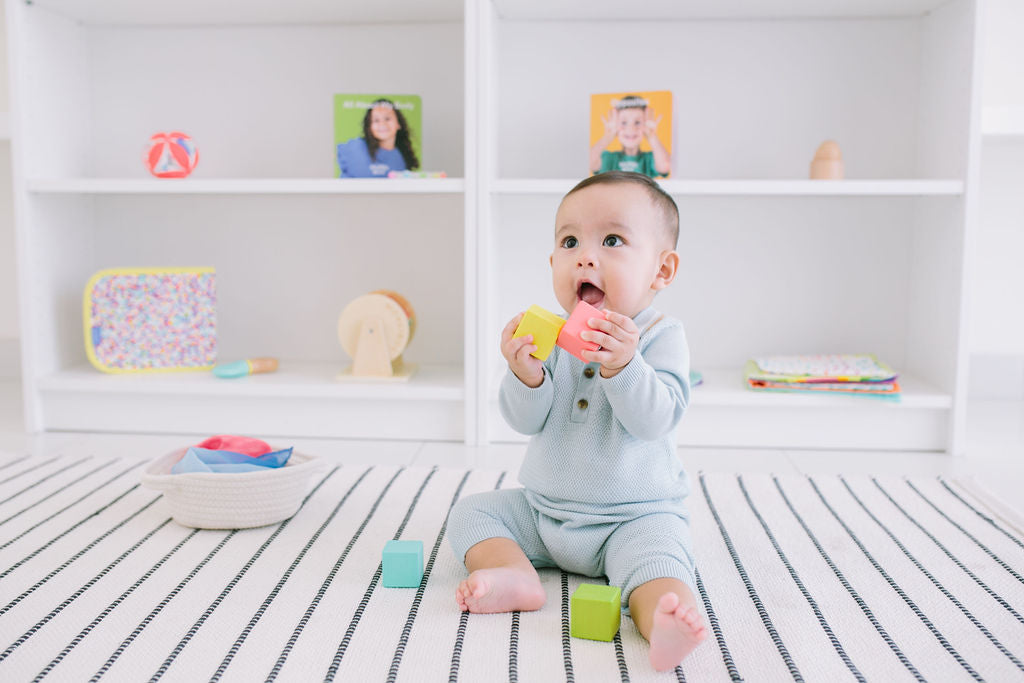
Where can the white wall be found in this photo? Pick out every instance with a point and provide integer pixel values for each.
(8, 278)
(997, 328)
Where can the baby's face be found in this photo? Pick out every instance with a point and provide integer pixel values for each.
(383, 123)
(631, 127)
(609, 246)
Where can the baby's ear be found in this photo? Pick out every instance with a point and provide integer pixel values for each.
(667, 269)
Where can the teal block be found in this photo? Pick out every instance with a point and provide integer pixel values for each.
(403, 564)
(595, 611)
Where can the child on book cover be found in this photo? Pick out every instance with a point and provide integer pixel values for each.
(624, 133)
(374, 134)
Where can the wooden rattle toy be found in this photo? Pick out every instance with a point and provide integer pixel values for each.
(374, 329)
(548, 330)
(828, 162)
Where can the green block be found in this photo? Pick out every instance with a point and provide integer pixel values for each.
(595, 612)
(402, 564)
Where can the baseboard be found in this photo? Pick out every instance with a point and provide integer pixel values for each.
(996, 378)
(10, 359)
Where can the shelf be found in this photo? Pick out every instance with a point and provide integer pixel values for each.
(203, 12)
(724, 413)
(713, 9)
(1003, 121)
(725, 387)
(767, 188)
(246, 185)
(300, 399)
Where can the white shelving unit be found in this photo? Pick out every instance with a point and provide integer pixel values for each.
(775, 263)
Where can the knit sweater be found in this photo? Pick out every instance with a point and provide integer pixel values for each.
(602, 446)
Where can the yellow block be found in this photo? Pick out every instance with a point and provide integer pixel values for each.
(544, 326)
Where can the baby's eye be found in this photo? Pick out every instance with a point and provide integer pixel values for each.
(613, 241)
(569, 242)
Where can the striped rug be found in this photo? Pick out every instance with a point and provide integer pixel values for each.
(827, 578)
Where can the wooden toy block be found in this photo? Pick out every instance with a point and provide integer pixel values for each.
(595, 611)
(569, 337)
(544, 326)
(402, 564)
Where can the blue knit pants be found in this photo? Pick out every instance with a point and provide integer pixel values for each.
(630, 552)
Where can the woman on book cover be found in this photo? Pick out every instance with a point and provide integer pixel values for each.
(385, 145)
(631, 121)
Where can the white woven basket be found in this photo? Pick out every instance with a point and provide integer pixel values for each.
(232, 500)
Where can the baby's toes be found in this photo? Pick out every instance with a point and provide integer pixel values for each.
(691, 617)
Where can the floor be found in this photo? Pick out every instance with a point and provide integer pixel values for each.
(995, 450)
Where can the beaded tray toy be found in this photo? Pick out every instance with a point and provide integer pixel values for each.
(151, 319)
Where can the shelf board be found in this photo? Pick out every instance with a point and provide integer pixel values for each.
(203, 12)
(767, 188)
(189, 186)
(292, 380)
(656, 10)
(1003, 121)
(726, 388)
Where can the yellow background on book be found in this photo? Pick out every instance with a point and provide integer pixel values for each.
(659, 102)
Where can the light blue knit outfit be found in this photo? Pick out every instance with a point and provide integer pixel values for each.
(604, 487)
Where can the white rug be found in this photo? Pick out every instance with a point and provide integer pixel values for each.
(821, 579)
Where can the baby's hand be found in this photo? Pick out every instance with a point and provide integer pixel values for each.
(618, 336)
(516, 351)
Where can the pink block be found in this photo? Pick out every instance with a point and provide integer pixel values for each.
(569, 337)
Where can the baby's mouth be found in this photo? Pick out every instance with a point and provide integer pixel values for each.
(590, 293)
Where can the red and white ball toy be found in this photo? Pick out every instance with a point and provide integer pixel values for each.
(171, 155)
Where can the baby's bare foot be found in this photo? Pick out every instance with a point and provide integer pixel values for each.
(676, 632)
(500, 589)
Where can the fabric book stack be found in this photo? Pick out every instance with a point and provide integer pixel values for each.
(850, 374)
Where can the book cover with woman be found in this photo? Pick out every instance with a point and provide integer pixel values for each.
(631, 132)
(376, 134)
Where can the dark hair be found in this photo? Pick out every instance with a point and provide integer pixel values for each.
(403, 139)
(661, 199)
(631, 102)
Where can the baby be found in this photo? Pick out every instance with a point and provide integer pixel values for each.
(604, 490)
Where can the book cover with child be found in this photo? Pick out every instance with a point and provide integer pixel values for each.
(376, 134)
(632, 131)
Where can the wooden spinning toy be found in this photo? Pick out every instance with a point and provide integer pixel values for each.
(374, 330)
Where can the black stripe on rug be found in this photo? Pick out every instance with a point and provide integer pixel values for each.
(751, 591)
(233, 650)
(981, 514)
(162, 669)
(326, 583)
(966, 533)
(566, 640)
(849, 588)
(6, 608)
(460, 636)
(339, 654)
(81, 522)
(111, 607)
(935, 582)
(896, 587)
(843, 655)
(403, 640)
(76, 502)
(513, 648)
(78, 593)
(45, 479)
(58, 491)
(27, 470)
(716, 628)
(137, 631)
(995, 596)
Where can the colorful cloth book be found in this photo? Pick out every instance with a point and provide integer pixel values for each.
(850, 374)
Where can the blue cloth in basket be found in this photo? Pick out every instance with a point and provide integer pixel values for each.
(198, 459)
